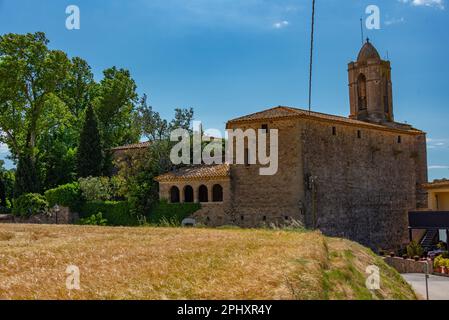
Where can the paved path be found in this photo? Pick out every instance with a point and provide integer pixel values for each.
(438, 286)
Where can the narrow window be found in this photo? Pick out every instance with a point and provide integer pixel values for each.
(264, 218)
(203, 194)
(188, 194)
(217, 193)
(174, 195)
(359, 134)
(246, 157)
(399, 139)
(242, 218)
(334, 131)
(265, 128)
(361, 92)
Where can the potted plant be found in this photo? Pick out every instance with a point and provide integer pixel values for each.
(437, 263)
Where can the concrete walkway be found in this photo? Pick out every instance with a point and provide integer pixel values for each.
(438, 286)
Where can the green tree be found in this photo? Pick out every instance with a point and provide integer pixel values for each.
(29, 74)
(89, 157)
(115, 108)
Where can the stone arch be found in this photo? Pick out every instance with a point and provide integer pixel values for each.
(217, 193)
(203, 194)
(361, 92)
(175, 195)
(188, 194)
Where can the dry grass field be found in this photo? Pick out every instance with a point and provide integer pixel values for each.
(164, 263)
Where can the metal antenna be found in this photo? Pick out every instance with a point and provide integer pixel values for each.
(361, 30)
(311, 55)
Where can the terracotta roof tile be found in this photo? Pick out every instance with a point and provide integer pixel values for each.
(437, 184)
(282, 112)
(140, 145)
(196, 173)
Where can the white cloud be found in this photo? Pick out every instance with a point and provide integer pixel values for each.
(392, 21)
(438, 167)
(281, 24)
(425, 3)
(437, 143)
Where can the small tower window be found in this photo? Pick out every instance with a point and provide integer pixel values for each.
(359, 134)
(361, 92)
(265, 128)
(399, 139)
(334, 131)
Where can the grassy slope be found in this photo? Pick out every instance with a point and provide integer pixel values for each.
(150, 263)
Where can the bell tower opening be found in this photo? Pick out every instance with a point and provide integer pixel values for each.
(370, 89)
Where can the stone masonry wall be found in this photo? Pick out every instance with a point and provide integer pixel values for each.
(364, 186)
(257, 200)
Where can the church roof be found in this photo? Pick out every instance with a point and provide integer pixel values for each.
(283, 112)
(368, 52)
(199, 172)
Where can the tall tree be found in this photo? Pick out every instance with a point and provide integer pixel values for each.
(29, 74)
(114, 107)
(89, 157)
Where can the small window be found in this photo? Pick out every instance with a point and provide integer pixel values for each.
(359, 134)
(287, 218)
(246, 157)
(242, 218)
(264, 218)
(265, 128)
(334, 131)
(399, 139)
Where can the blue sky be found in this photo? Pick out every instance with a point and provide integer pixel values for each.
(227, 58)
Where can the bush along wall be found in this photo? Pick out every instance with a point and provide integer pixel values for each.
(173, 213)
(117, 213)
(68, 195)
(29, 204)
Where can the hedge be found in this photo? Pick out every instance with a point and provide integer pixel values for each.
(117, 213)
(68, 195)
(29, 204)
(172, 212)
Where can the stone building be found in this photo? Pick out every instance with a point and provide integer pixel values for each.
(354, 177)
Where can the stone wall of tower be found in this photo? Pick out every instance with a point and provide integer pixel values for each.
(378, 90)
(362, 187)
(261, 200)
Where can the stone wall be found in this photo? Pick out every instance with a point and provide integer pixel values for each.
(63, 216)
(257, 199)
(364, 187)
(408, 265)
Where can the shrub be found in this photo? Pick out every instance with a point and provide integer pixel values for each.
(102, 188)
(414, 249)
(173, 213)
(94, 220)
(117, 213)
(95, 189)
(29, 204)
(440, 261)
(68, 195)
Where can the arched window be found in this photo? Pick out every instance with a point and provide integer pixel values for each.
(174, 195)
(203, 194)
(188, 194)
(361, 91)
(217, 193)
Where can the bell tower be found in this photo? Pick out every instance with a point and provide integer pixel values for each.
(370, 88)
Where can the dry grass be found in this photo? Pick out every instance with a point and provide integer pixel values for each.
(158, 263)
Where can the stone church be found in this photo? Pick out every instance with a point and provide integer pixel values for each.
(354, 177)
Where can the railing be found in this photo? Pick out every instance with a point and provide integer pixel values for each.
(428, 219)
